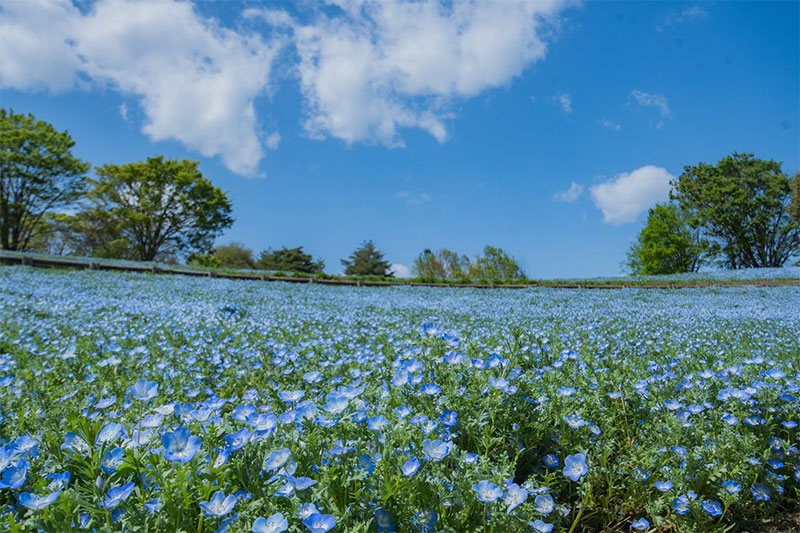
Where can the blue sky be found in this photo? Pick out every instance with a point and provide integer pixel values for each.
(546, 128)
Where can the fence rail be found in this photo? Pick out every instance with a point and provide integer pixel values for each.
(55, 262)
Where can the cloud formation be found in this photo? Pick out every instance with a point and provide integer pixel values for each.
(610, 125)
(677, 17)
(413, 199)
(624, 197)
(564, 100)
(570, 195)
(195, 80)
(370, 68)
(400, 270)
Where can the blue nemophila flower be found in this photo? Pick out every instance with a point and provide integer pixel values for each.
(640, 524)
(377, 423)
(681, 505)
(14, 476)
(487, 491)
(574, 421)
(153, 506)
(425, 520)
(274, 524)
(237, 440)
(306, 510)
(711, 507)
(36, 502)
(112, 459)
(336, 403)
(575, 466)
(431, 389)
(550, 461)
(730, 419)
(498, 383)
(218, 505)
(277, 458)
(301, 483)
(544, 504)
(319, 523)
(731, 486)
(515, 495)
(144, 390)
(541, 527)
(109, 432)
(760, 492)
(436, 450)
(411, 466)
(291, 396)
(383, 520)
(471, 458)
(180, 445)
(449, 418)
(117, 495)
(565, 392)
(366, 464)
(663, 486)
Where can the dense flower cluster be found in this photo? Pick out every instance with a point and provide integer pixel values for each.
(141, 402)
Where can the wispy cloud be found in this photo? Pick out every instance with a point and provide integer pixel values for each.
(677, 17)
(564, 100)
(413, 199)
(657, 101)
(624, 197)
(609, 124)
(400, 270)
(570, 195)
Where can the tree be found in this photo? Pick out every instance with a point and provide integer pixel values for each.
(159, 207)
(290, 260)
(38, 175)
(496, 264)
(794, 207)
(667, 244)
(234, 255)
(443, 264)
(743, 206)
(367, 261)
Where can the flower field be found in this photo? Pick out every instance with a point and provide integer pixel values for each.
(165, 403)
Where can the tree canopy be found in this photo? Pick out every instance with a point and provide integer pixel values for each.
(234, 255)
(744, 206)
(38, 175)
(367, 261)
(290, 260)
(159, 207)
(496, 264)
(667, 244)
(443, 264)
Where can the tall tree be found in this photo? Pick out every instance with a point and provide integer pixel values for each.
(159, 206)
(443, 264)
(367, 261)
(667, 244)
(496, 264)
(290, 260)
(234, 255)
(743, 205)
(38, 175)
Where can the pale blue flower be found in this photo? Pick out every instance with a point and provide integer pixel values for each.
(144, 390)
(36, 502)
(319, 523)
(487, 491)
(640, 524)
(180, 445)
(436, 450)
(117, 495)
(575, 466)
(274, 524)
(411, 466)
(515, 495)
(544, 504)
(218, 505)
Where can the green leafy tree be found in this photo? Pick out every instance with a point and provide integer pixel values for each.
(496, 264)
(367, 261)
(234, 255)
(794, 206)
(38, 175)
(290, 260)
(443, 264)
(160, 207)
(743, 205)
(667, 244)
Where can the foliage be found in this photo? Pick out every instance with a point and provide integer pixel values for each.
(367, 261)
(667, 244)
(742, 204)
(290, 260)
(234, 255)
(444, 264)
(168, 403)
(496, 264)
(794, 207)
(159, 207)
(38, 175)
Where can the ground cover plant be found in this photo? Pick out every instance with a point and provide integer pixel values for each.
(167, 403)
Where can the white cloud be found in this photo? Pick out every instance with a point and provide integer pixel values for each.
(413, 199)
(610, 125)
(687, 13)
(400, 271)
(570, 195)
(123, 111)
(564, 100)
(370, 68)
(624, 197)
(196, 81)
(652, 100)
